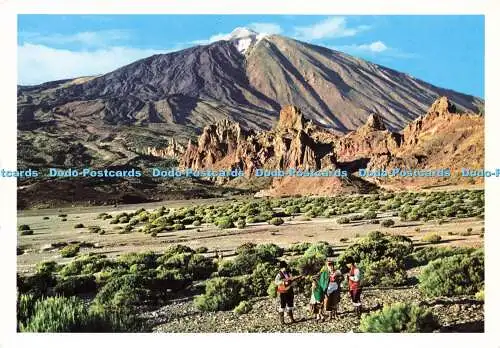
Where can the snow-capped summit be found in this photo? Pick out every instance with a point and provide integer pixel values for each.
(244, 38)
(241, 33)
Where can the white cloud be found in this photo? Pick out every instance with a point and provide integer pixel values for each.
(266, 28)
(84, 39)
(330, 28)
(39, 63)
(374, 48)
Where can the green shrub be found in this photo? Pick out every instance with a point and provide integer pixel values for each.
(376, 247)
(343, 220)
(26, 232)
(241, 224)
(480, 295)
(261, 276)
(399, 317)
(201, 250)
(23, 228)
(70, 250)
(200, 267)
(25, 308)
(269, 251)
(62, 314)
(320, 249)
(276, 221)
(299, 248)
(385, 272)
(220, 294)
(425, 255)
(79, 226)
(62, 215)
(453, 276)
(243, 308)
(76, 285)
(47, 267)
(431, 238)
(369, 215)
(225, 222)
(387, 223)
(308, 265)
(124, 291)
(46, 218)
(272, 290)
(245, 248)
(196, 223)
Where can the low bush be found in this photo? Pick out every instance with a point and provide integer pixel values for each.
(124, 291)
(26, 232)
(220, 294)
(369, 215)
(298, 248)
(243, 308)
(399, 317)
(453, 276)
(272, 290)
(79, 226)
(224, 222)
(70, 250)
(241, 224)
(76, 285)
(201, 250)
(385, 272)
(276, 221)
(480, 295)
(425, 255)
(320, 249)
(23, 228)
(343, 220)
(387, 223)
(431, 238)
(261, 276)
(63, 314)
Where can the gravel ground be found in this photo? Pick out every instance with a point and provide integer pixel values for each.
(459, 314)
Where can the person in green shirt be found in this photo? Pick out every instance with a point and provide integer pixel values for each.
(327, 289)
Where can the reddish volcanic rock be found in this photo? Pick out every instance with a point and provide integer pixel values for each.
(440, 139)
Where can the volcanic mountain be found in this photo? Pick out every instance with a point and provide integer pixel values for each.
(119, 117)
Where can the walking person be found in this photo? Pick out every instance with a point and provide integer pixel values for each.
(284, 281)
(332, 296)
(354, 280)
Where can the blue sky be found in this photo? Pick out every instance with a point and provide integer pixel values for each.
(447, 51)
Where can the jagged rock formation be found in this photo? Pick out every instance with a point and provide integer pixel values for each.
(289, 145)
(172, 150)
(441, 138)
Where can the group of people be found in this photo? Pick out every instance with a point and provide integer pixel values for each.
(325, 290)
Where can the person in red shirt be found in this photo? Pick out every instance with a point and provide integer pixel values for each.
(284, 282)
(354, 280)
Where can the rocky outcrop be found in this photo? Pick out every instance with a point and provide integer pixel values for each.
(172, 150)
(371, 139)
(428, 142)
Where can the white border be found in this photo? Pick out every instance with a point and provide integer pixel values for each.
(8, 42)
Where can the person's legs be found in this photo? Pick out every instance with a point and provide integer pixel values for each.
(289, 306)
(356, 300)
(281, 310)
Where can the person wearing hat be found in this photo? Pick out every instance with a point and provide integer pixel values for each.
(284, 282)
(354, 280)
